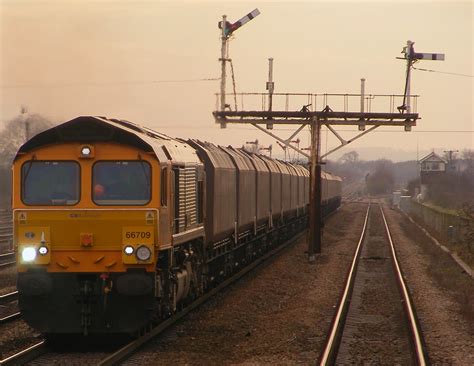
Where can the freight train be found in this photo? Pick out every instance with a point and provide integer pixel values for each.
(117, 226)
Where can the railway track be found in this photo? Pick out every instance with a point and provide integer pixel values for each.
(5, 300)
(375, 321)
(7, 256)
(6, 229)
(7, 260)
(41, 352)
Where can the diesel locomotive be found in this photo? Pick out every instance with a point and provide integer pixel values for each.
(117, 226)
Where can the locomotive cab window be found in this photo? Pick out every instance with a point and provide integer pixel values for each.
(50, 183)
(121, 183)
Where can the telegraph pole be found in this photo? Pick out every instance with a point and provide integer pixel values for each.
(449, 153)
(24, 117)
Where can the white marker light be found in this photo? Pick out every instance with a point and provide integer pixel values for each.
(128, 250)
(143, 253)
(28, 254)
(86, 151)
(43, 250)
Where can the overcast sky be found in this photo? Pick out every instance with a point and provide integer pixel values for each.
(111, 58)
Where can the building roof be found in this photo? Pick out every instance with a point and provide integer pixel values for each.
(433, 157)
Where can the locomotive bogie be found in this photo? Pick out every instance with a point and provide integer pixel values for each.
(79, 303)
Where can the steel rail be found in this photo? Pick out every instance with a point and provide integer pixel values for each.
(7, 298)
(417, 340)
(328, 357)
(10, 318)
(329, 354)
(26, 355)
(7, 264)
(7, 259)
(130, 348)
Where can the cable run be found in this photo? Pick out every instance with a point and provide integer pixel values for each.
(443, 72)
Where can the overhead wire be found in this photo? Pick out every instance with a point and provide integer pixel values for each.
(125, 82)
(443, 72)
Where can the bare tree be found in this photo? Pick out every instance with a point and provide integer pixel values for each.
(349, 157)
(468, 156)
(382, 179)
(11, 138)
(15, 132)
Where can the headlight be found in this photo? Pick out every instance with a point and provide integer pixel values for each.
(28, 254)
(128, 250)
(143, 253)
(43, 250)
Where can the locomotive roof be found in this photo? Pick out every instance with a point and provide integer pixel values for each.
(90, 129)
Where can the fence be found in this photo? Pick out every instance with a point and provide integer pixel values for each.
(445, 225)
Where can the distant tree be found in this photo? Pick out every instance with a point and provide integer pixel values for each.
(14, 134)
(5, 189)
(349, 157)
(11, 138)
(381, 181)
(468, 156)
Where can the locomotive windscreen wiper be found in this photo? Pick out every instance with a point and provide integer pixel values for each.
(28, 168)
(145, 173)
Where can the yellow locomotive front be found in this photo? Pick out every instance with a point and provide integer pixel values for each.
(87, 232)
